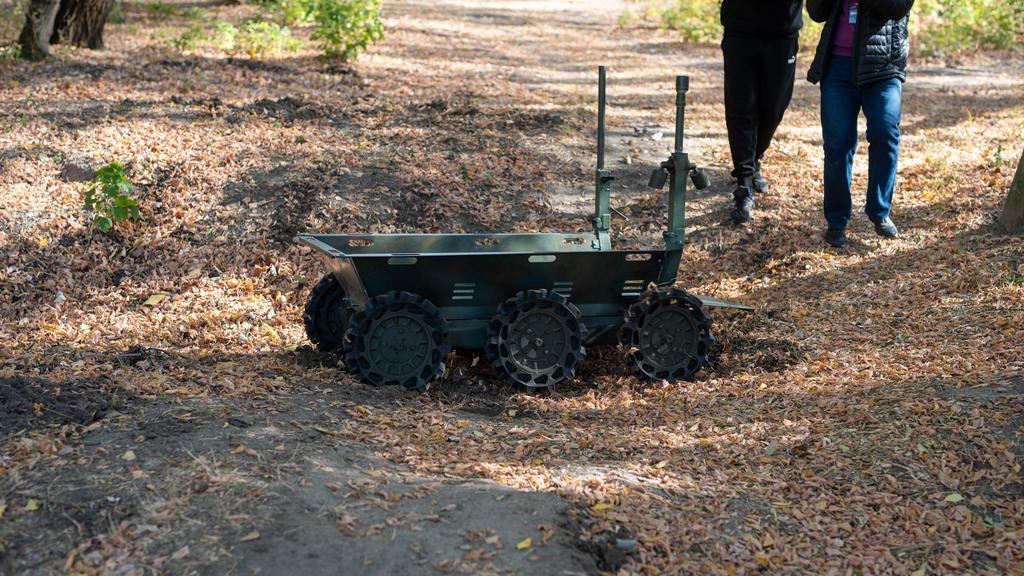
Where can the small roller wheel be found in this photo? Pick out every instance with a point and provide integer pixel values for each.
(327, 314)
(668, 335)
(535, 340)
(399, 339)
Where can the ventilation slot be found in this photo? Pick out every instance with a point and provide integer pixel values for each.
(463, 291)
(633, 288)
(563, 288)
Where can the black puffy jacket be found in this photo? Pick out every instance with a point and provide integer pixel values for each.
(882, 40)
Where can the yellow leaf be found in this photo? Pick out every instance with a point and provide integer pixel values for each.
(524, 544)
(154, 299)
(271, 334)
(128, 456)
(44, 241)
(32, 505)
(1016, 468)
(602, 506)
(954, 497)
(3, 509)
(536, 461)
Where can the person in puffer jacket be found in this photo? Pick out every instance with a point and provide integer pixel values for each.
(861, 64)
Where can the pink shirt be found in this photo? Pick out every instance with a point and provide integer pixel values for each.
(846, 29)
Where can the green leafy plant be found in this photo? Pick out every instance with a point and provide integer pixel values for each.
(937, 26)
(190, 39)
(953, 26)
(295, 11)
(344, 28)
(108, 196)
(10, 52)
(116, 13)
(697, 21)
(255, 38)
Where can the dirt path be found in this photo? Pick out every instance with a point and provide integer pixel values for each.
(866, 419)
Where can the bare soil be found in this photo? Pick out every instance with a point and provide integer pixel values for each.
(161, 413)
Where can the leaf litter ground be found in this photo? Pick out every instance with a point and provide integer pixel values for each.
(162, 413)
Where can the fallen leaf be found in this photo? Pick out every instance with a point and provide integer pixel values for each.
(254, 535)
(128, 456)
(954, 497)
(602, 506)
(154, 299)
(524, 544)
(32, 505)
(3, 509)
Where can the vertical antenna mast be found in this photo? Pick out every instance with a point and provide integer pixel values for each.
(603, 178)
(600, 116)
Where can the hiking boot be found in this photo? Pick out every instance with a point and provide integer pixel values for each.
(885, 228)
(744, 198)
(760, 184)
(836, 237)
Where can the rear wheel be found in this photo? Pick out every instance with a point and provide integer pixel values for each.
(326, 315)
(399, 339)
(668, 335)
(535, 340)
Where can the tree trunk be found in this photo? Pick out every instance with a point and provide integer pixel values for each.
(1013, 212)
(35, 35)
(81, 22)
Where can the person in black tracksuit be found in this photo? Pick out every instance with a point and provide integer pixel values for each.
(759, 47)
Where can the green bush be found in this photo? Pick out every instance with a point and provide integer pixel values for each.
(344, 28)
(255, 38)
(10, 52)
(294, 11)
(937, 26)
(697, 20)
(108, 196)
(952, 26)
(190, 39)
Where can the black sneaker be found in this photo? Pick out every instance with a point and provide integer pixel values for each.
(744, 198)
(760, 184)
(885, 228)
(836, 237)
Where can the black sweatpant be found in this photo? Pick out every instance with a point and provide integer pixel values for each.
(759, 76)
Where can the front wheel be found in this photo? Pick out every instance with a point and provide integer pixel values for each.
(399, 339)
(668, 335)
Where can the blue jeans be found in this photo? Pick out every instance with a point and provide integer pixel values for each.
(841, 103)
